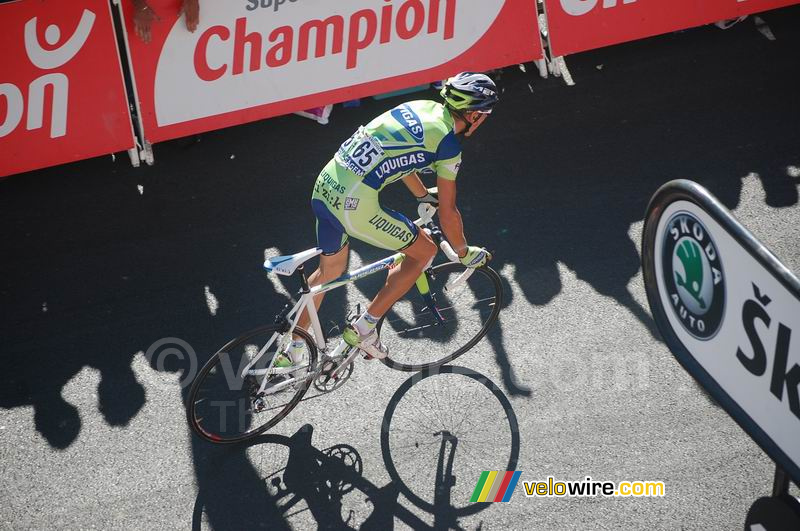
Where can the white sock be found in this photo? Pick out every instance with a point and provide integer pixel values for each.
(366, 323)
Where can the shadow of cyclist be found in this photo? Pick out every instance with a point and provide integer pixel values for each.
(318, 478)
(277, 474)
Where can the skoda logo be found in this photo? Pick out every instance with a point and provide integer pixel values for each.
(693, 275)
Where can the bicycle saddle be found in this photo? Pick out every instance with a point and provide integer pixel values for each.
(286, 265)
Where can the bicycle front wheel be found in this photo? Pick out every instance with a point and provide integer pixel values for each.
(422, 332)
(240, 392)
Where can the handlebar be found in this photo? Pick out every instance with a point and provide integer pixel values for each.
(426, 212)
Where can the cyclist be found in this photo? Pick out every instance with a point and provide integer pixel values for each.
(417, 137)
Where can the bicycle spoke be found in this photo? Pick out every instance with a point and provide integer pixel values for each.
(240, 392)
(427, 465)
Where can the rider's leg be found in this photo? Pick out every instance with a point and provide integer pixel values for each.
(363, 332)
(330, 268)
(332, 238)
(401, 278)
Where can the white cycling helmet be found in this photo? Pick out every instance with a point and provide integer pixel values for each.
(470, 91)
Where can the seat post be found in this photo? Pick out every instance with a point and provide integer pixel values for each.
(301, 272)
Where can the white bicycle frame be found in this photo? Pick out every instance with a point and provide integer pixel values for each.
(306, 303)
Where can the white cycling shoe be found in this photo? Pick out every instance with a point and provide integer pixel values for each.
(370, 344)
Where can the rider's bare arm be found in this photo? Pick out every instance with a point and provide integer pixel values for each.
(450, 217)
(414, 185)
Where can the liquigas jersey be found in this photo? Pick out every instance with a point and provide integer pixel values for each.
(415, 136)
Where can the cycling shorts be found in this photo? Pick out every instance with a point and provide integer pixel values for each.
(344, 206)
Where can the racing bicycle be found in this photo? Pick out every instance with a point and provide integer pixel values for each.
(241, 391)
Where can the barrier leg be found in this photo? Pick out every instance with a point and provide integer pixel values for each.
(555, 65)
(781, 484)
(133, 153)
(541, 64)
(147, 153)
(560, 70)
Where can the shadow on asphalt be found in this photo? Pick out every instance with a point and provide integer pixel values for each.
(261, 483)
(97, 270)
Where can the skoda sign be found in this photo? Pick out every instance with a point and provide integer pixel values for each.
(730, 313)
(693, 275)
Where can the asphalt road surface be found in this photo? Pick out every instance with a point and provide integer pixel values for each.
(103, 263)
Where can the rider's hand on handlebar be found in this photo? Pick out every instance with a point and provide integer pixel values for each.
(475, 256)
(430, 198)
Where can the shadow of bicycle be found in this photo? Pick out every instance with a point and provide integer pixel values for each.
(441, 429)
(434, 440)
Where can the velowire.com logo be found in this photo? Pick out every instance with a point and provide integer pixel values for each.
(693, 275)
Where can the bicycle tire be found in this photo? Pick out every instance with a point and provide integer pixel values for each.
(410, 321)
(224, 393)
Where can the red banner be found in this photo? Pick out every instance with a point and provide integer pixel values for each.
(62, 95)
(579, 25)
(253, 59)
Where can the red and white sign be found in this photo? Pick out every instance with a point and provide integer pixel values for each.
(251, 59)
(62, 95)
(580, 25)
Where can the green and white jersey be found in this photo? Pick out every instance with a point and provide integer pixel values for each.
(415, 136)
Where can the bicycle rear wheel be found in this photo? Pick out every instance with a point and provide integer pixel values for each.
(467, 303)
(226, 403)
